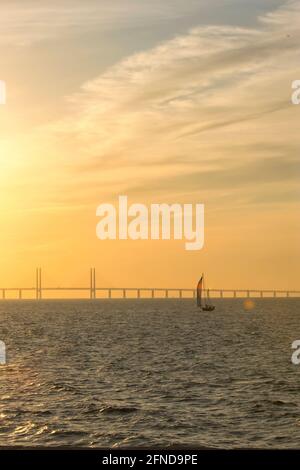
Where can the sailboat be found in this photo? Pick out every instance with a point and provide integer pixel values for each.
(202, 301)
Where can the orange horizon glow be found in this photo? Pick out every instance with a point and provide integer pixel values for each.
(201, 114)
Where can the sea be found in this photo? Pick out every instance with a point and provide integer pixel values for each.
(150, 373)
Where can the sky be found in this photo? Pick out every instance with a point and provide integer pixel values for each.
(175, 101)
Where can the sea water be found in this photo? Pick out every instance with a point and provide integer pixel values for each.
(158, 373)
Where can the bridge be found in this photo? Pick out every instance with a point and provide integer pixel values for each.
(92, 291)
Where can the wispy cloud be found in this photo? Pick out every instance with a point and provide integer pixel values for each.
(213, 102)
(29, 21)
(199, 97)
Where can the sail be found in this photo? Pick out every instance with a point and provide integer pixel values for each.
(203, 301)
(208, 302)
(199, 292)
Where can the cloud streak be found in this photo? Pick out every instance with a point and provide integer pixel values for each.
(213, 102)
(26, 22)
(213, 93)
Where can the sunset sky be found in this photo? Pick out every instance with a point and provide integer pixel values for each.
(164, 101)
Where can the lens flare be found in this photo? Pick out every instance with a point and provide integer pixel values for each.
(249, 304)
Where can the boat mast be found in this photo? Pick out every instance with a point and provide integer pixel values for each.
(203, 285)
(199, 292)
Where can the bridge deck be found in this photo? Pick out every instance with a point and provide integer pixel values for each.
(92, 290)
